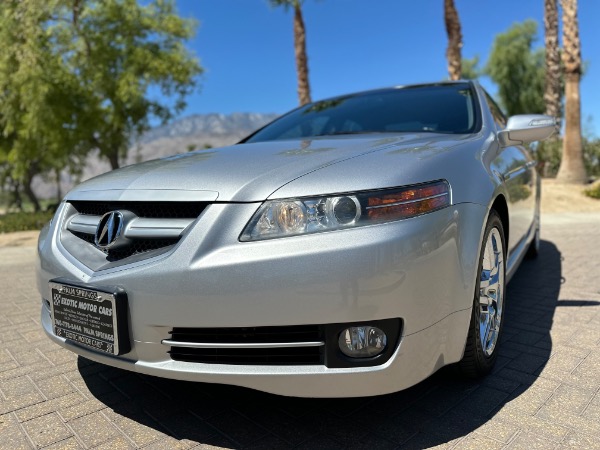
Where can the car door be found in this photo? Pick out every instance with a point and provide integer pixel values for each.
(518, 172)
(517, 169)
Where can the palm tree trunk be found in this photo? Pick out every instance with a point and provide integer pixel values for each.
(301, 59)
(453, 52)
(572, 169)
(552, 90)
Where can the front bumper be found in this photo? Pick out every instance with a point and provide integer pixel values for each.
(421, 270)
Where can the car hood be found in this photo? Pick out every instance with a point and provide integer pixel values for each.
(252, 172)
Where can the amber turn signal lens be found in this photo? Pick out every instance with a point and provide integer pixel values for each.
(408, 202)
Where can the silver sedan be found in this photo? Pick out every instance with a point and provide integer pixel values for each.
(352, 247)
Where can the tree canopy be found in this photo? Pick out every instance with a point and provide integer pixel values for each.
(119, 49)
(75, 76)
(518, 69)
(41, 102)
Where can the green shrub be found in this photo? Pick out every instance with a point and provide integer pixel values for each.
(593, 191)
(23, 221)
(548, 154)
(591, 156)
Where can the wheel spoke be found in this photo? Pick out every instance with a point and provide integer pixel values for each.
(491, 286)
(484, 325)
(492, 337)
(494, 270)
(485, 278)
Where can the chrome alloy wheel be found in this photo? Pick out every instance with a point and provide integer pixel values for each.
(491, 292)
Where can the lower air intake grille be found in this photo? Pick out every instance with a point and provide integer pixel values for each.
(296, 333)
(293, 355)
(251, 356)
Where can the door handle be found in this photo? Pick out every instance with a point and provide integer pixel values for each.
(531, 163)
(515, 172)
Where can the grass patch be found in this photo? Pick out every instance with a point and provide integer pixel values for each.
(593, 191)
(23, 221)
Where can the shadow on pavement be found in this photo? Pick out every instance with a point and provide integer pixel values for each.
(442, 408)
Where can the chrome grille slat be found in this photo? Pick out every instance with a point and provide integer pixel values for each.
(157, 228)
(82, 223)
(140, 228)
(242, 344)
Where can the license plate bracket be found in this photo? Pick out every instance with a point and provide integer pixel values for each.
(91, 316)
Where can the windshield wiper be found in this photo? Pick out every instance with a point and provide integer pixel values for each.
(339, 133)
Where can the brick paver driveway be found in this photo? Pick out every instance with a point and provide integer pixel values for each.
(544, 392)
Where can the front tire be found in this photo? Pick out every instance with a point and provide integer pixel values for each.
(485, 327)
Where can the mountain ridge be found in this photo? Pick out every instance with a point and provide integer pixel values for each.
(209, 124)
(181, 135)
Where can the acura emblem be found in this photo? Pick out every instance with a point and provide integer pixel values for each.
(109, 229)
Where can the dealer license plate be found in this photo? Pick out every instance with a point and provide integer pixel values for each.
(88, 316)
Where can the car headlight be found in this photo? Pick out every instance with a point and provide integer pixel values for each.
(294, 216)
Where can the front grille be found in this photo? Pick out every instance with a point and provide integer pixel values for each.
(89, 238)
(170, 215)
(249, 335)
(155, 210)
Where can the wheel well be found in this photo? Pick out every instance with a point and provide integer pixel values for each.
(501, 208)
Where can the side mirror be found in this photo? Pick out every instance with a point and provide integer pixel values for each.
(527, 128)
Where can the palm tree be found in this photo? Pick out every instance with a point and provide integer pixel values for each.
(299, 48)
(454, 40)
(552, 94)
(571, 168)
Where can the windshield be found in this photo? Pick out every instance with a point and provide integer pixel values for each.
(444, 108)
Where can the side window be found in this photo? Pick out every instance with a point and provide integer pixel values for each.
(499, 117)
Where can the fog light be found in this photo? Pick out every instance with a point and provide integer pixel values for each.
(362, 342)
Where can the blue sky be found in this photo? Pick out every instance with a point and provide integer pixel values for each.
(246, 48)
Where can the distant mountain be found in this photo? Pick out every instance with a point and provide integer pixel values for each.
(196, 132)
(201, 125)
(182, 135)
